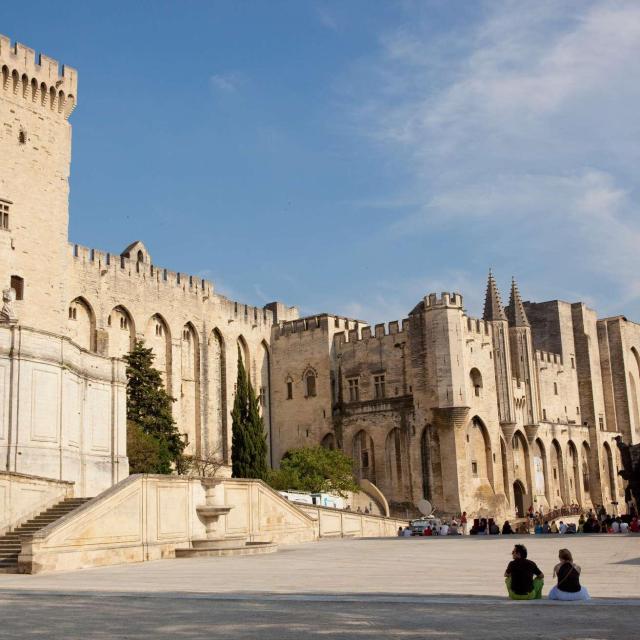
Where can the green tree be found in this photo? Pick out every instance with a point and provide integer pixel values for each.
(143, 451)
(248, 441)
(315, 469)
(149, 414)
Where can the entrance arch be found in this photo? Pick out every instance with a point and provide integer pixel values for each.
(518, 498)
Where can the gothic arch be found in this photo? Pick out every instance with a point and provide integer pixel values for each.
(558, 482)
(328, 442)
(480, 449)
(157, 336)
(265, 390)
(521, 460)
(121, 330)
(190, 387)
(81, 323)
(218, 394)
(364, 456)
(541, 485)
(586, 459)
(394, 461)
(609, 475)
(425, 462)
(245, 355)
(634, 382)
(505, 470)
(310, 382)
(573, 473)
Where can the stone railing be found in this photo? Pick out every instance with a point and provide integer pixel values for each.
(23, 496)
(148, 517)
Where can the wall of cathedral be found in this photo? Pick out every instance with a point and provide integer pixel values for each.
(196, 335)
(419, 427)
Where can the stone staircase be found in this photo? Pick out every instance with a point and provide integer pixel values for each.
(10, 544)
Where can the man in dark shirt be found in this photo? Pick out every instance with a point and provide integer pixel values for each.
(519, 576)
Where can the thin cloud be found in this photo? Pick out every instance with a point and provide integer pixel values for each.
(227, 82)
(521, 138)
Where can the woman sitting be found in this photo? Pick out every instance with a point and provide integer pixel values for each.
(568, 587)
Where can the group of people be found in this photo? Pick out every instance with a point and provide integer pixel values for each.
(525, 580)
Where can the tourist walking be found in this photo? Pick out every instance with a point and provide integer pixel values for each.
(523, 578)
(568, 586)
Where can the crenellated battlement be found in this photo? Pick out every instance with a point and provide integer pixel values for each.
(120, 266)
(478, 326)
(446, 300)
(37, 79)
(546, 358)
(364, 333)
(322, 321)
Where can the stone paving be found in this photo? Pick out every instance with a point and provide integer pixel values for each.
(382, 588)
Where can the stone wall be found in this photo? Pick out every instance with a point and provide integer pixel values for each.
(23, 497)
(62, 410)
(146, 517)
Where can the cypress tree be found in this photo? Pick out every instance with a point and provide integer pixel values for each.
(249, 445)
(149, 409)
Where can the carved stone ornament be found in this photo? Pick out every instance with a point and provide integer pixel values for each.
(8, 313)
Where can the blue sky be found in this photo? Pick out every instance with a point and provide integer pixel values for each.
(352, 156)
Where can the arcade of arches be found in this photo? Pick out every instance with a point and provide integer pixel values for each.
(195, 371)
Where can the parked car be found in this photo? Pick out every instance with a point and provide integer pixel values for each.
(418, 526)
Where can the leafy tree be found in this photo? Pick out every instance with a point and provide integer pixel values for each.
(315, 469)
(149, 410)
(248, 442)
(143, 451)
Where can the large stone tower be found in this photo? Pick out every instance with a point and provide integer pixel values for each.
(35, 155)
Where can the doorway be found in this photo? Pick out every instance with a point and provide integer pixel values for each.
(518, 498)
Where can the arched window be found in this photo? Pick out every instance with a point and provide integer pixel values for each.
(476, 381)
(310, 383)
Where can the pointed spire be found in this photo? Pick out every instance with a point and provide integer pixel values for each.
(515, 310)
(492, 305)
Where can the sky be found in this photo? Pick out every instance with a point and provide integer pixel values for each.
(351, 157)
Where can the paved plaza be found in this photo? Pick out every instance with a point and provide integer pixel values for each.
(382, 588)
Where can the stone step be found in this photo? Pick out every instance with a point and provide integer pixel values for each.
(11, 544)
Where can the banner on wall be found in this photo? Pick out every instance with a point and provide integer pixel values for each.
(539, 476)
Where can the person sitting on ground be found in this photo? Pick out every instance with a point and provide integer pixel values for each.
(624, 527)
(519, 576)
(453, 528)
(634, 527)
(568, 587)
(444, 529)
(427, 531)
(506, 528)
(562, 529)
(554, 527)
(399, 534)
(545, 527)
(407, 533)
(494, 529)
(615, 526)
(538, 529)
